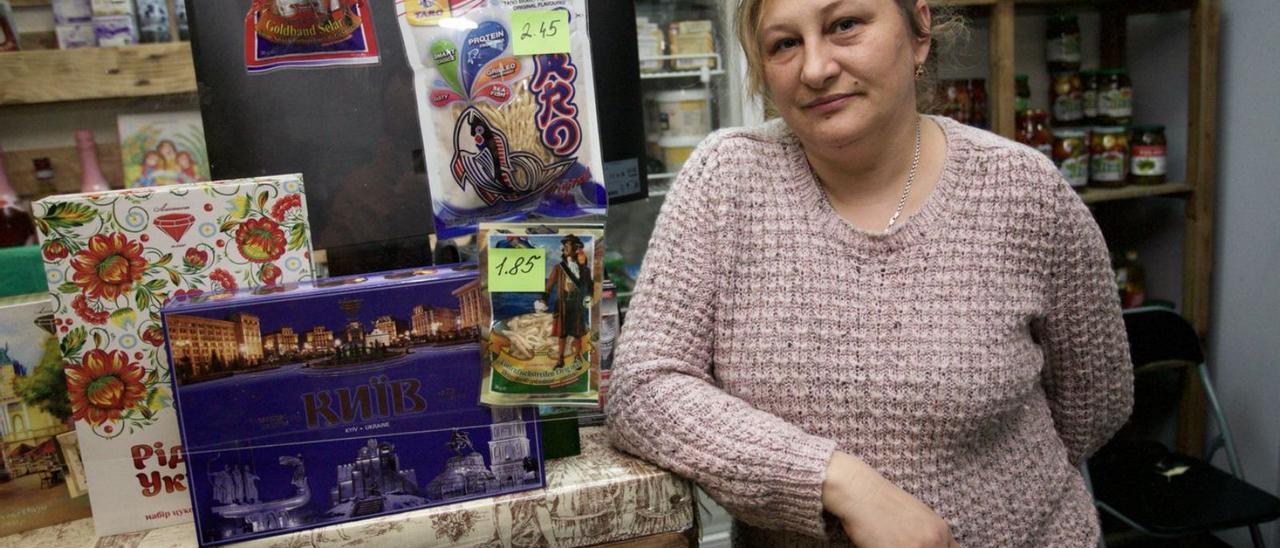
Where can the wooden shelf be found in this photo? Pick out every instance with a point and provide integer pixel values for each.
(1096, 195)
(49, 76)
(29, 3)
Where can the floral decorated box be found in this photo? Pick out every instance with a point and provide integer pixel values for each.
(319, 403)
(112, 260)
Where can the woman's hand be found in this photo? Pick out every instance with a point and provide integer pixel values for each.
(875, 512)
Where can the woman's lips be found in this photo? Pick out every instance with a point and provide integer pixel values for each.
(828, 103)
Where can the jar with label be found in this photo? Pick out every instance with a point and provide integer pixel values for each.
(1067, 97)
(978, 102)
(1062, 44)
(683, 112)
(1033, 131)
(1115, 97)
(1089, 97)
(1022, 100)
(1149, 155)
(1108, 156)
(1071, 155)
(689, 38)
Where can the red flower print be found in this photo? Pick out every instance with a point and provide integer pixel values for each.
(154, 336)
(270, 274)
(260, 240)
(103, 386)
(195, 258)
(54, 251)
(81, 306)
(108, 266)
(224, 279)
(283, 205)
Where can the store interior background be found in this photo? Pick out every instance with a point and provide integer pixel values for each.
(1244, 339)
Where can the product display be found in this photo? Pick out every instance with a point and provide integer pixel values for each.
(1089, 97)
(1109, 156)
(1071, 154)
(694, 39)
(76, 35)
(1033, 130)
(676, 150)
(508, 122)
(36, 477)
(1115, 97)
(683, 112)
(66, 12)
(1149, 155)
(163, 149)
(1131, 280)
(651, 43)
(112, 259)
(308, 34)
(1067, 97)
(542, 344)
(347, 398)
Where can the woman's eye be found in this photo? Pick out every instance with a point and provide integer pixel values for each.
(845, 25)
(785, 43)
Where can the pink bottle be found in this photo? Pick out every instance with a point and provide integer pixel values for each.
(91, 179)
(15, 221)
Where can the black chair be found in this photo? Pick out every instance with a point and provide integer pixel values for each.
(1159, 492)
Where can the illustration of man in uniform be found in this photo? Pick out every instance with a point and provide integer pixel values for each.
(250, 486)
(221, 486)
(571, 280)
(237, 485)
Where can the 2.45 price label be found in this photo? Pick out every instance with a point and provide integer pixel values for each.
(540, 31)
(521, 270)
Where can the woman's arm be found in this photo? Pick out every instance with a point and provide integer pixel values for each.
(664, 404)
(1088, 377)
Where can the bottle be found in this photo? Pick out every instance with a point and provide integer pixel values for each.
(1131, 281)
(1062, 43)
(1023, 100)
(15, 221)
(91, 179)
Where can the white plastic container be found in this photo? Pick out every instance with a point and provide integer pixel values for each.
(676, 151)
(683, 113)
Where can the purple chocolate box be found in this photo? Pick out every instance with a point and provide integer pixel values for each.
(318, 403)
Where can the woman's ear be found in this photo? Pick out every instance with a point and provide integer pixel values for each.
(921, 44)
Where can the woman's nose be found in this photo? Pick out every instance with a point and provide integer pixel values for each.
(819, 65)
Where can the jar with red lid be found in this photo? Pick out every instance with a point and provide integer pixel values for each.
(1149, 155)
(1108, 156)
(1066, 94)
(1033, 131)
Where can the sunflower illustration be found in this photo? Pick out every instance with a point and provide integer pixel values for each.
(103, 386)
(108, 266)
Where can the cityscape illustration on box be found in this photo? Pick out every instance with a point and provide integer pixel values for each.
(342, 399)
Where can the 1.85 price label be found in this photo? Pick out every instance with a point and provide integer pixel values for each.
(540, 31)
(517, 270)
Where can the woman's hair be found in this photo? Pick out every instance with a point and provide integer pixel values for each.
(947, 28)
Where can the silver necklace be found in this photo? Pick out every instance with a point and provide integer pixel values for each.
(906, 189)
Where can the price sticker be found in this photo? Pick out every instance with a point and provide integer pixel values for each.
(540, 31)
(517, 270)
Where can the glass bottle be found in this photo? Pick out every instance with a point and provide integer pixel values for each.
(15, 220)
(1131, 281)
(91, 178)
(1062, 43)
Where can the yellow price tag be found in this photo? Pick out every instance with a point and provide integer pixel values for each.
(540, 31)
(517, 270)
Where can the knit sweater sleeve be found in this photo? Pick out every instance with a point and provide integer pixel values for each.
(1088, 376)
(664, 404)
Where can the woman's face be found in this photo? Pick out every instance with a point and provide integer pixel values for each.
(839, 69)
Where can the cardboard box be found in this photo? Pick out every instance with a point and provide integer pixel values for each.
(165, 148)
(72, 11)
(320, 403)
(112, 7)
(76, 35)
(112, 259)
(37, 487)
(115, 30)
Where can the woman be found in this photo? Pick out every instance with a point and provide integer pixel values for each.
(857, 323)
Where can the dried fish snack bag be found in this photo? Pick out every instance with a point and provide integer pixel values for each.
(507, 137)
(542, 347)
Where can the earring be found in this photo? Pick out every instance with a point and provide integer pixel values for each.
(919, 71)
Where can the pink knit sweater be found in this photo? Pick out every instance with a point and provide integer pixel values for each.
(974, 356)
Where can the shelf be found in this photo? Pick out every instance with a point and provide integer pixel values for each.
(29, 3)
(704, 73)
(1097, 195)
(50, 76)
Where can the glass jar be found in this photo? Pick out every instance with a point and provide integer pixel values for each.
(1071, 155)
(1115, 97)
(1066, 96)
(1033, 131)
(1022, 100)
(1108, 156)
(1062, 43)
(1089, 97)
(1148, 155)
